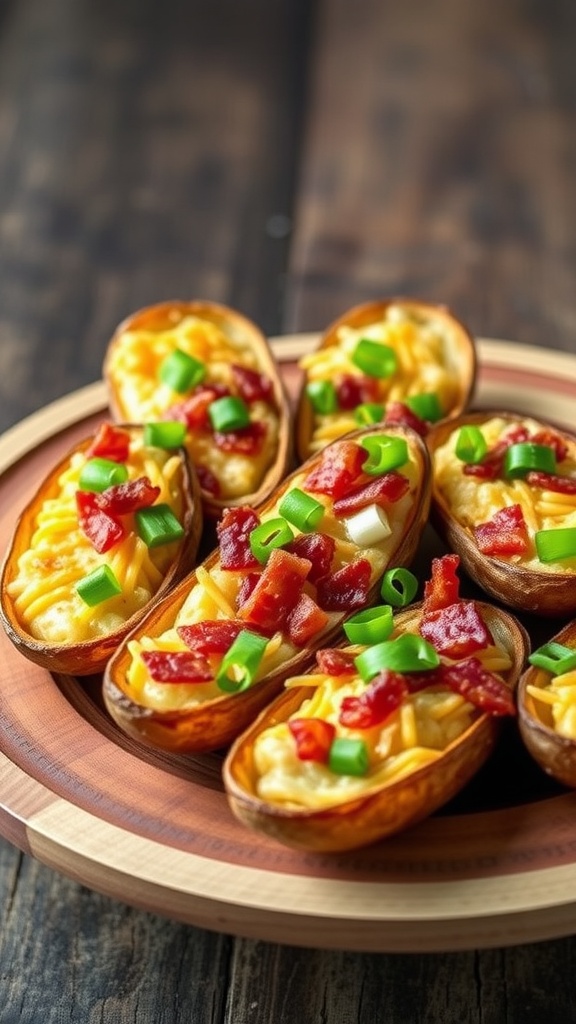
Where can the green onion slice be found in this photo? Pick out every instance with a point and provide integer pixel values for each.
(399, 587)
(181, 372)
(240, 664)
(98, 586)
(384, 453)
(406, 653)
(522, 458)
(348, 756)
(368, 413)
(157, 525)
(98, 474)
(371, 625)
(166, 434)
(274, 533)
(554, 545)
(471, 445)
(229, 413)
(426, 406)
(554, 657)
(374, 359)
(301, 510)
(322, 396)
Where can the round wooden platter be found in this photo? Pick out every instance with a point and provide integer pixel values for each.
(497, 867)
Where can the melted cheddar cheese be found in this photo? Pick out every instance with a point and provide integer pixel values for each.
(134, 364)
(556, 703)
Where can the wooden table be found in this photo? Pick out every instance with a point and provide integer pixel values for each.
(289, 159)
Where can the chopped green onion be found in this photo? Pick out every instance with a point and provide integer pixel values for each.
(229, 413)
(166, 434)
(374, 359)
(241, 662)
(471, 445)
(368, 413)
(322, 396)
(371, 625)
(554, 657)
(522, 458)
(407, 653)
(384, 453)
(274, 533)
(399, 587)
(181, 371)
(98, 586)
(368, 527)
(157, 525)
(301, 509)
(426, 406)
(348, 757)
(98, 474)
(554, 545)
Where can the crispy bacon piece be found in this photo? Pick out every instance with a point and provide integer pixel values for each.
(277, 591)
(478, 685)
(177, 666)
(233, 532)
(551, 482)
(110, 443)
(251, 385)
(398, 414)
(208, 482)
(553, 440)
(246, 587)
(456, 631)
(121, 499)
(381, 698)
(443, 587)
(346, 588)
(381, 490)
(211, 636)
(313, 738)
(193, 411)
(318, 548)
(339, 468)
(505, 534)
(355, 389)
(491, 466)
(335, 662)
(101, 528)
(245, 441)
(305, 620)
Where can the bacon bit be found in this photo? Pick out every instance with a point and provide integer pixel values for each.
(381, 698)
(479, 686)
(318, 548)
(211, 636)
(505, 534)
(102, 529)
(382, 490)
(551, 482)
(313, 738)
(177, 667)
(305, 620)
(246, 587)
(398, 414)
(552, 440)
(121, 499)
(335, 662)
(443, 587)
(193, 411)
(456, 631)
(245, 441)
(354, 389)
(277, 591)
(339, 468)
(345, 589)
(233, 531)
(208, 482)
(110, 443)
(251, 385)
(493, 461)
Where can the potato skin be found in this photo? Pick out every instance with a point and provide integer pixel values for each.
(90, 656)
(547, 593)
(215, 723)
(384, 810)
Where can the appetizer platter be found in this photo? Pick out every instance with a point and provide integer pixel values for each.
(495, 866)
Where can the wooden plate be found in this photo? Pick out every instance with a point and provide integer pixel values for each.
(497, 867)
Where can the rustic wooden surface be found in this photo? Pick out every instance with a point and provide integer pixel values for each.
(289, 158)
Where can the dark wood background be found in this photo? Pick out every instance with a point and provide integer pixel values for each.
(289, 158)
